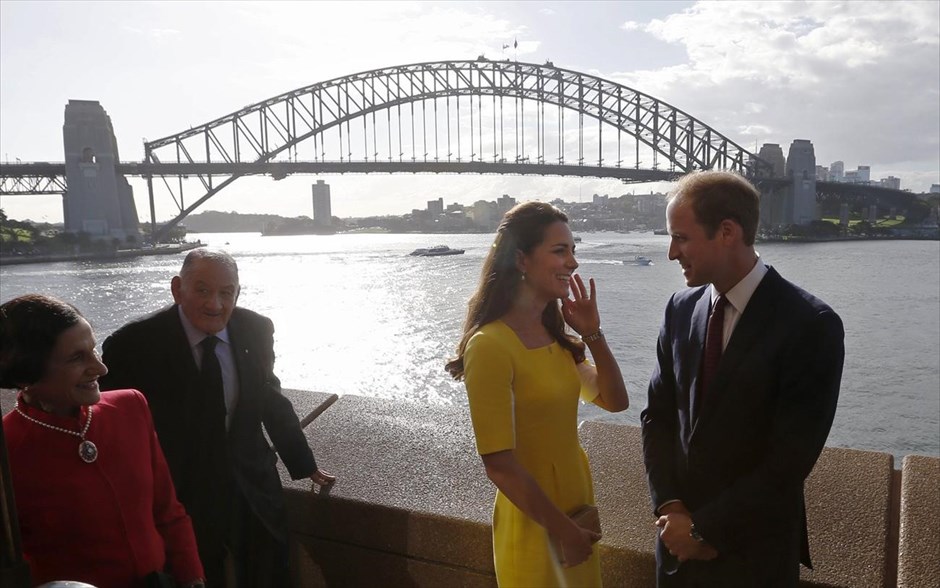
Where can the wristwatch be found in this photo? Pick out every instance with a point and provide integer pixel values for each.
(693, 532)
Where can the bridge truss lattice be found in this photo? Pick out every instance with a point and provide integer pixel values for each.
(478, 116)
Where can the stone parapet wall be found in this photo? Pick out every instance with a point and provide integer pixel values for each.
(412, 505)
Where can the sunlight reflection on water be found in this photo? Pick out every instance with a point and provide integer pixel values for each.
(355, 314)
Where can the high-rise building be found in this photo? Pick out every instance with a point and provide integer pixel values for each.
(322, 211)
(935, 188)
(837, 171)
(436, 206)
(822, 173)
(504, 203)
(864, 174)
(99, 201)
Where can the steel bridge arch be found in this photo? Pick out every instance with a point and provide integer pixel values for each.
(263, 131)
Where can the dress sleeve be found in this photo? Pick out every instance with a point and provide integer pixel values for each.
(587, 373)
(169, 516)
(488, 377)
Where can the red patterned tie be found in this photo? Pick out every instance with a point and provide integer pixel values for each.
(713, 340)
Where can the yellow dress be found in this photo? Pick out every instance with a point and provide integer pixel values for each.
(527, 400)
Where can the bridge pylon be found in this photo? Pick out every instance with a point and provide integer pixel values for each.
(99, 200)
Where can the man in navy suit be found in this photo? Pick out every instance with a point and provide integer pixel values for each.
(740, 402)
(209, 420)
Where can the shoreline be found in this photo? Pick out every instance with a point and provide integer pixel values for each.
(802, 239)
(96, 256)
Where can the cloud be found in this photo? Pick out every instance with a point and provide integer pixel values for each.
(631, 25)
(155, 33)
(861, 80)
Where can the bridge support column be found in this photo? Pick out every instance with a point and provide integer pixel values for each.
(100, 201)
(801, 169)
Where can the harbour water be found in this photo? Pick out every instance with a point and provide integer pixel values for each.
(355, 314)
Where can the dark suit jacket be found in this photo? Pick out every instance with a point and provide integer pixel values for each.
(739, 466)
(153, 356)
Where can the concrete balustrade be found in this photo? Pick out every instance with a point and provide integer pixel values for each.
(919, 548)
(412, 504)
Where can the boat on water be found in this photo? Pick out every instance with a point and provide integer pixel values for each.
(436, 251)
(660, 232)
(577, 239)
(639, 260)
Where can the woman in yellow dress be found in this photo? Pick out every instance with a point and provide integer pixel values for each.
(524, 375)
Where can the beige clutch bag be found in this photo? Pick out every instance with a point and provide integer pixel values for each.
(585, 517)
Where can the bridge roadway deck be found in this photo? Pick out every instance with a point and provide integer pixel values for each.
(280, 169)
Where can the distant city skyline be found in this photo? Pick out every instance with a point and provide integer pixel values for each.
(861, 80)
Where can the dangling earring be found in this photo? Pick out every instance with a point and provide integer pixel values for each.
(523, 277)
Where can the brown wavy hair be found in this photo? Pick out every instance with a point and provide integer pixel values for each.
(522, 229)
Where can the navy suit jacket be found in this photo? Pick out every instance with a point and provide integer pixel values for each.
(153, 355)
(740, 460)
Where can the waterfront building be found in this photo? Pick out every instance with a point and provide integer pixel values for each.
(322, 211)
(99, 201)
(436, 207)
(864, 174)
(504, 203)
(822, 173)
(891, 182)
(485, 214)
(801, 169)
(934, 188)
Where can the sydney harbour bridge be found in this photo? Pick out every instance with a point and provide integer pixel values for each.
(453, 117)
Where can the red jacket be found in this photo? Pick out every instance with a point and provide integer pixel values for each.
(108, 523)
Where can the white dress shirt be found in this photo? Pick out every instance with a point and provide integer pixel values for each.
(738, 297)
(223, 351)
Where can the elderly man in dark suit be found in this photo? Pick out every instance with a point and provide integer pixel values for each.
(740, 402)
(206, 368)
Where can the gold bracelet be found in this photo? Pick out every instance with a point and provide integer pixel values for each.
(593, 336)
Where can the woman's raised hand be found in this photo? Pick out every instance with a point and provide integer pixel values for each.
(580, 310)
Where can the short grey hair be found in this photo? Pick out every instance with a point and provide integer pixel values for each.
(219, 256)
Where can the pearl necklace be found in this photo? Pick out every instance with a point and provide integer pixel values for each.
(86, 449)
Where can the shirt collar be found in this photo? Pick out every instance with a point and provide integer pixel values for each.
(194, 335)
(741, 293)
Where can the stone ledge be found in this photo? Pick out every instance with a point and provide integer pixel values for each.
(309, 404)
(848, 507)
(326, 564)
(7, 400)
(411, 481)
(407, 475)
(919, 545)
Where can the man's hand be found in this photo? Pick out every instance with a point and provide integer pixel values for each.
(675, 533)
(321, 478)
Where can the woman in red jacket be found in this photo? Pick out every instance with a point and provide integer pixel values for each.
(93, 493)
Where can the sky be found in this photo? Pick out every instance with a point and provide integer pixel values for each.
(861, 80)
